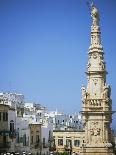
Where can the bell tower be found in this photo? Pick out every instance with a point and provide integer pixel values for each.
(96, 101)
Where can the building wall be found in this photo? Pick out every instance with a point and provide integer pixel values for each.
(35, 138)
(63, 139)
(3, 123)
(23, 135)
(46, 129)
(63, 121)
(12, 128)
(4, 133)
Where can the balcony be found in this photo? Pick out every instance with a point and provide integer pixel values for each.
(68, 148)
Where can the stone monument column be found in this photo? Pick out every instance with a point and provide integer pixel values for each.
(96, 101)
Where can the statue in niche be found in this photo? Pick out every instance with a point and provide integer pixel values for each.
(94, 15)
(84, 93)
(106, 91)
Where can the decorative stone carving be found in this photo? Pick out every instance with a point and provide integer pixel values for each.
(102, 64)
(95, 81)
(106, 91)
(108, 145)
(94, 15)
(95, 132)
(90, 56)
(84, 93)
(95, 55)
(89, 64)
(94, 102)
(97, 107)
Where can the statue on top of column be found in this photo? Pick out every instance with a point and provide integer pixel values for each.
(94, 15)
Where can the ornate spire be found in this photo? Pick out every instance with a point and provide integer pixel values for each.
(97, 90)
(97, 104)
(96, 69)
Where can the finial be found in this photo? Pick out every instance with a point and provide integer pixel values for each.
(94, 14)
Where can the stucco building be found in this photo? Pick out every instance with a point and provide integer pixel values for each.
(4, 141)
(68, 140)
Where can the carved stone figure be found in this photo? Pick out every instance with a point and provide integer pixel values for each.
(107, 91)
(94, 15)
(84, 93)
(88, 64)
(102, 64)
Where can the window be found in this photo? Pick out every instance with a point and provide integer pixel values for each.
(60, 142)
(24, 140)
(68, 142)
(0, 116)
(11, 125)
(18, 139)
(5, 116)
(44, 142)
(31, 139)
(77, 143)
(37, 138)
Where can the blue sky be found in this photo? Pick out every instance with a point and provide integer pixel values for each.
(44, 45)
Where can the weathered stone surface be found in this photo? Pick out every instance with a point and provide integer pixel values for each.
(97, 104)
